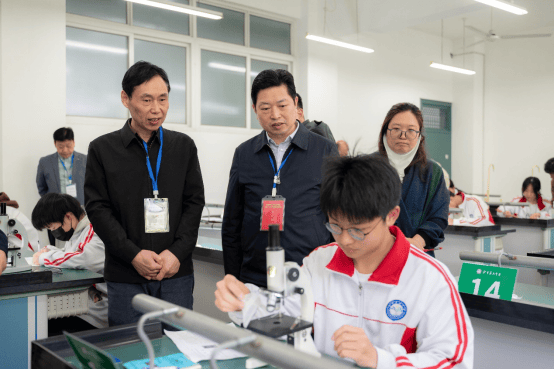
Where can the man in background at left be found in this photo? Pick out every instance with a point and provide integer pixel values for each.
(64, 171)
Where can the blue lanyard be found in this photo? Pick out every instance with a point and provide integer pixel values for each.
(155, 180)
(63, 164)
(277, 172)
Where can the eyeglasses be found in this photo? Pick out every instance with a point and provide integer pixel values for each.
(354, 233)
(410, 134)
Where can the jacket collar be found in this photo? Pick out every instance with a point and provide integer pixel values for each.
(388, 272)
(300, 139)
(82, 224)
(127, 135)
(540, 203)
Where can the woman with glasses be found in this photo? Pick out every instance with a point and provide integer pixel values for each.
(425, 199)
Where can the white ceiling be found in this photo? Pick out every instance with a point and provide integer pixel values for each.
(385, 16)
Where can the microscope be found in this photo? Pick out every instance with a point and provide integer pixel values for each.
(16, 255)
(285, 279)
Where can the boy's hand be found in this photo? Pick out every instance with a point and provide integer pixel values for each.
(450, 221)
(230, 294)
(352, 342)
(36, 257)
(535, 216)
(508, 214)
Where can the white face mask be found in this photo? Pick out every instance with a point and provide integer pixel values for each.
(400, 161)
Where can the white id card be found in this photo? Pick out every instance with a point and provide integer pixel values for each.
(156, 215)
(71, 189)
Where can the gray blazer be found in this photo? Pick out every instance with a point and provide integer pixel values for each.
(48, 175)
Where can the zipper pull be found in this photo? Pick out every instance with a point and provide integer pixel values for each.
(360, 288)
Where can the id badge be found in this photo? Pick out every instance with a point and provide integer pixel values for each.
(71, 190)
(156, 215)
(273, 212)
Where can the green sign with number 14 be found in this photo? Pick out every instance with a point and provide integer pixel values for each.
(487, 281)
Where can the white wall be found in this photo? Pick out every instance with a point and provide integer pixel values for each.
(32, 60)
(467, 124)
(352, 91)
(519, 117)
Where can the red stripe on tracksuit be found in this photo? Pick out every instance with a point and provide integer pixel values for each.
(365, 318)
(458, 314)
(480, 210)
(67, 256)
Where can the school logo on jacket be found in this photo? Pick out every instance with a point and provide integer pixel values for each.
(396, 310)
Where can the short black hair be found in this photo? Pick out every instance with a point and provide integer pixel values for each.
(533, 181)
(272, 78)
(63, 134)
(139, 73)
(52, 207)
(359, 188)
(451, 184)
(549, 166)
(300, 104)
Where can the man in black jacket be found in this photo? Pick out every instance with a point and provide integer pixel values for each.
(144, 197)
(283, 161)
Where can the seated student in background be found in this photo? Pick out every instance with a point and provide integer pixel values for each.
(379, 301)
(83, 249)
(537, 209)
(475, 211)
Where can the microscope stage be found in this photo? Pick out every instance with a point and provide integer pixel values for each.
(276, 326)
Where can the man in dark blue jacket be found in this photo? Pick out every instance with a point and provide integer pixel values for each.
(284, 160)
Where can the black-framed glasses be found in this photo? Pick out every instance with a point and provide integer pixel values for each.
(410, 134)
(354, 233)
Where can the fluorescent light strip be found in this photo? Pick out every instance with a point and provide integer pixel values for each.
(170, 5)
(504, 6)
(85, 45)
(452, 69)
(339, 43)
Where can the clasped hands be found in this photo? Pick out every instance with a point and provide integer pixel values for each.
(153, 266)
(350, 342)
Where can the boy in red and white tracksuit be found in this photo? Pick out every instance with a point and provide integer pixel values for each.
(379, 301)
(475, 211)
(83, 249)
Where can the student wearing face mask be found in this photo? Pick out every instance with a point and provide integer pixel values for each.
(424, 203)
(537, 209)
(83, 249)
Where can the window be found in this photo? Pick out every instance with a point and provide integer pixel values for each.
(108, 10)
(270, 35)
(217, 59)
(435, 117)
(173, 60)
(95, 94)
(229, 29)
(161, 19)
(256, 67)
(223, 89)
